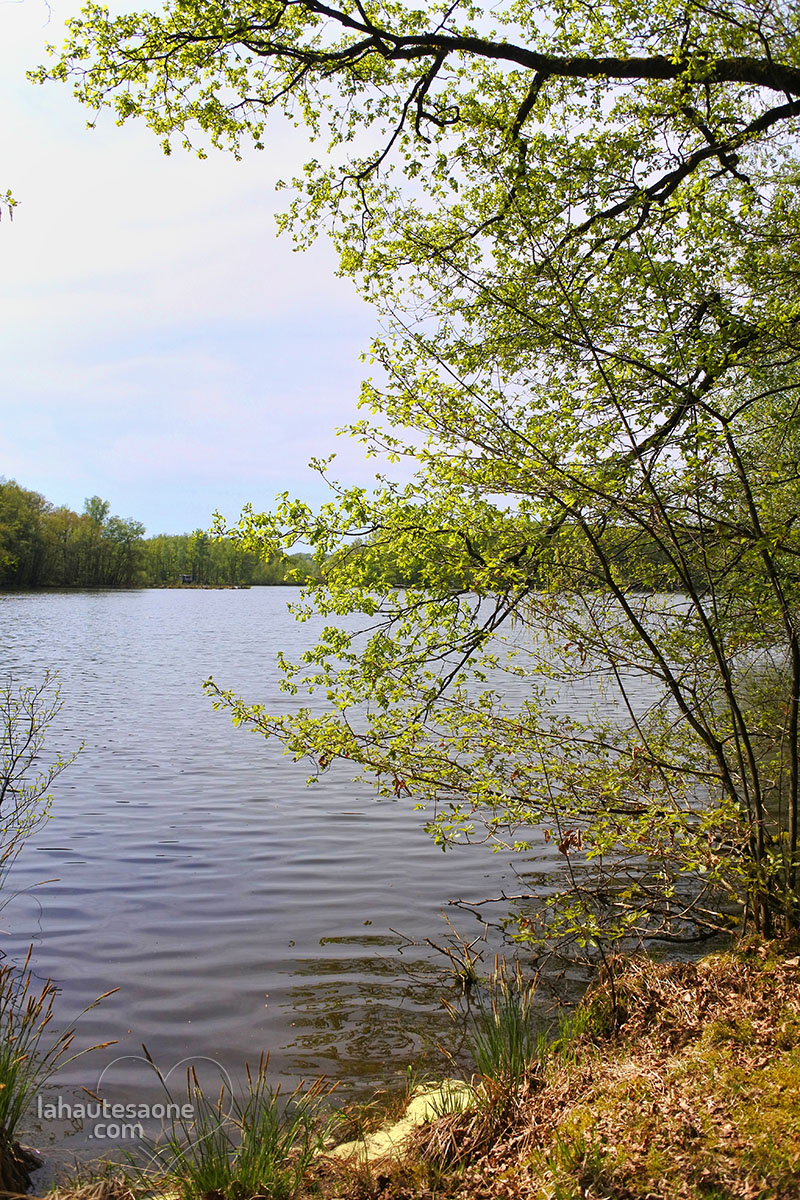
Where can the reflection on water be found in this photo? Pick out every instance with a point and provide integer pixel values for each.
(188, 864)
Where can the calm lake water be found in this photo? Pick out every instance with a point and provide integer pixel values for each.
(188, 864)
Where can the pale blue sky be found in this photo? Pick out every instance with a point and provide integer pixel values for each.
(160, 346)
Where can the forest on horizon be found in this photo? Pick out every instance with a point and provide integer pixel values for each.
(47, 545)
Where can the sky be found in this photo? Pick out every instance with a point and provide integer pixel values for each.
(161, 347)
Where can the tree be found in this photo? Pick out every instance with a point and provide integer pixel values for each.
(22, 549)
(124, 536)
(97, 510)
(581, 226)
(27, 714)
(110, 548)
(63, 535)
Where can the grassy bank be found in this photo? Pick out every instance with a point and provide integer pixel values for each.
(680, 1081)
(692, 1091)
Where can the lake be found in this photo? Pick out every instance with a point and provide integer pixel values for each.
(188, 864)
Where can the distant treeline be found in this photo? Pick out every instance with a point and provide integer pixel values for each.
(46, 546)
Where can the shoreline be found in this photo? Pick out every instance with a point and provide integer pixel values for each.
(679, 1082)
